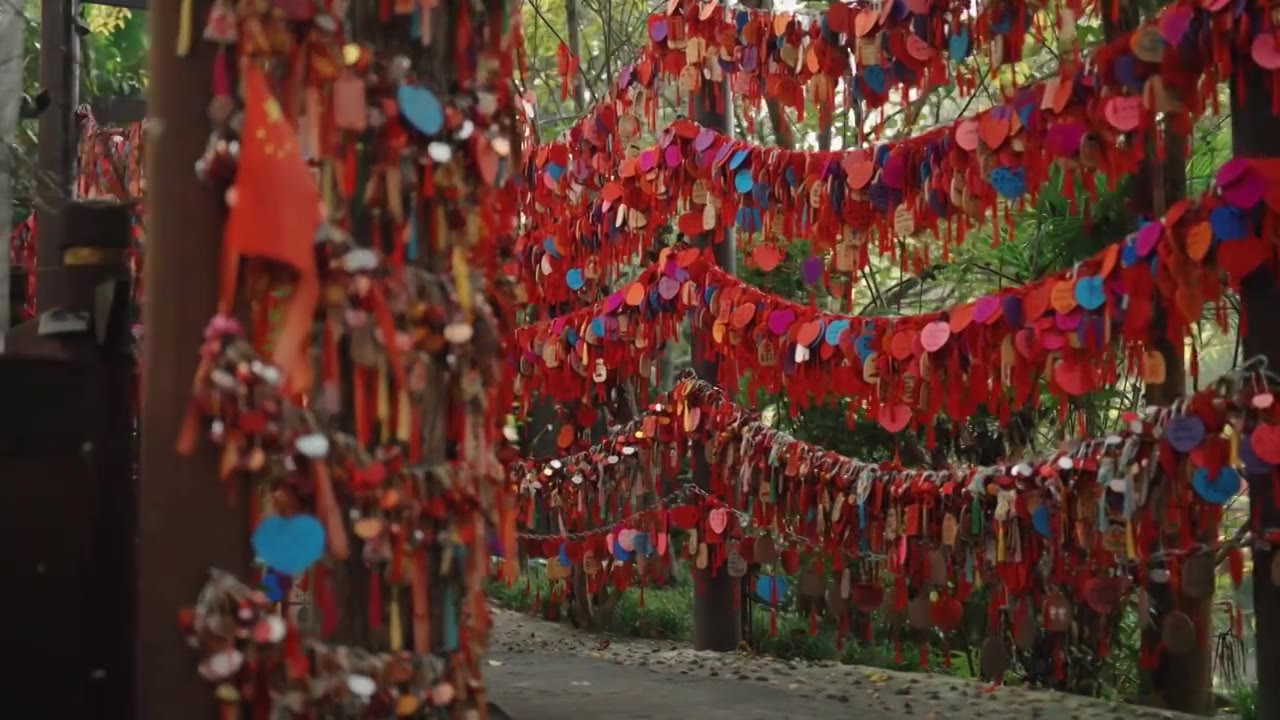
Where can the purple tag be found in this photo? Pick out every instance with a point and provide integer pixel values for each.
(1067, 321)
(1184, 432)
(1012, 305)
(812, 270)
(1064, 138)
(704, 139)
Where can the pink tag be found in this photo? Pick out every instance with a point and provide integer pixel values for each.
(985, 308)
(1174, 23)
(627, 540)
(1124, 113)
(673, 155)
(1148, 236)
(1064, 138)
(1052, 340)
(935, 335)
(967, 135)
(718, 519)
(1067, 321)
(780, 321)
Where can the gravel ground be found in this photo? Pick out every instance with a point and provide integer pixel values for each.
(546, 671)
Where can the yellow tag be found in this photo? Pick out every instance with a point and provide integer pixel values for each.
(1129, 548)
(396, 637)
(999, 542)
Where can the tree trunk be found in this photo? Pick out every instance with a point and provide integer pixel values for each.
(60, 76)
(715, 593)
(1253, 135)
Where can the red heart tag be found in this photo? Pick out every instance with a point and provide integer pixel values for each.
(947, 614)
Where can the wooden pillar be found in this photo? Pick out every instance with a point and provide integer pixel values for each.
(1253, 135)
(55, 174)
(716, 623)
(185, 525)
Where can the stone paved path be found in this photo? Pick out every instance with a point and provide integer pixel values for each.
(545, 671)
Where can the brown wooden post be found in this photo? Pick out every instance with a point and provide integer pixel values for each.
(185, 525)
(716, 626)
(1253, 135)
(60, 77)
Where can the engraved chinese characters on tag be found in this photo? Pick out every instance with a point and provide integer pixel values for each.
(1057, 613)
(737, 565)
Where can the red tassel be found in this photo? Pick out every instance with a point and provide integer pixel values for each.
(642, 594)
(773, 624)
(813, 621)
(924, 655)
(897, 651)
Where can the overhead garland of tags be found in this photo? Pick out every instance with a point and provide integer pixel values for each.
(596, 202)
(360, 191)
(800, 58)
(1061, 542)
(1078, 328)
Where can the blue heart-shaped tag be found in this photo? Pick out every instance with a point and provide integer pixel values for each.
(642, 544)
(575, 279)
(1040, 521)
(742, 182)
(422, 109)
(835, 330)
(1009, 182)
(873, 76)
(1216, 489)
(619, 553)
(1184, 432)
(289, 545)
(771, 588)
(563, 556)
(1090, 293)
(958, 45)
(749, 218)
(1228, 223)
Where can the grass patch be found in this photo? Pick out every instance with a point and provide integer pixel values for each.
(668, 615)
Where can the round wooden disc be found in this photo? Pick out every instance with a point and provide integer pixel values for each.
(813, 584)
(1198, 577)
(994, 659)
(920, 612)
(1024, 631)
(892, 615)
(837, 606)
(766, 551)
(1178, 633)
(937, 565)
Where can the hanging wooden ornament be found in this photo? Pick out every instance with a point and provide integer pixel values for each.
(993, 661)
(920, 612)
(1198, 577)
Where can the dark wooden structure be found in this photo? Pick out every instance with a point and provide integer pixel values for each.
(67, 484)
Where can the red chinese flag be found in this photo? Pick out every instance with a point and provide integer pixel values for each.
(274, 216)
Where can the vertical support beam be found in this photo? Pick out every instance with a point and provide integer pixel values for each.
(1253, 135)
(185, 525)
(55, 174)
(716, 625)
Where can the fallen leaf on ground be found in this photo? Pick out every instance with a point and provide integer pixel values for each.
(495, 663)
(878, 678)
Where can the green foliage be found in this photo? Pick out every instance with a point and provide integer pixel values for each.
(113, 63)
